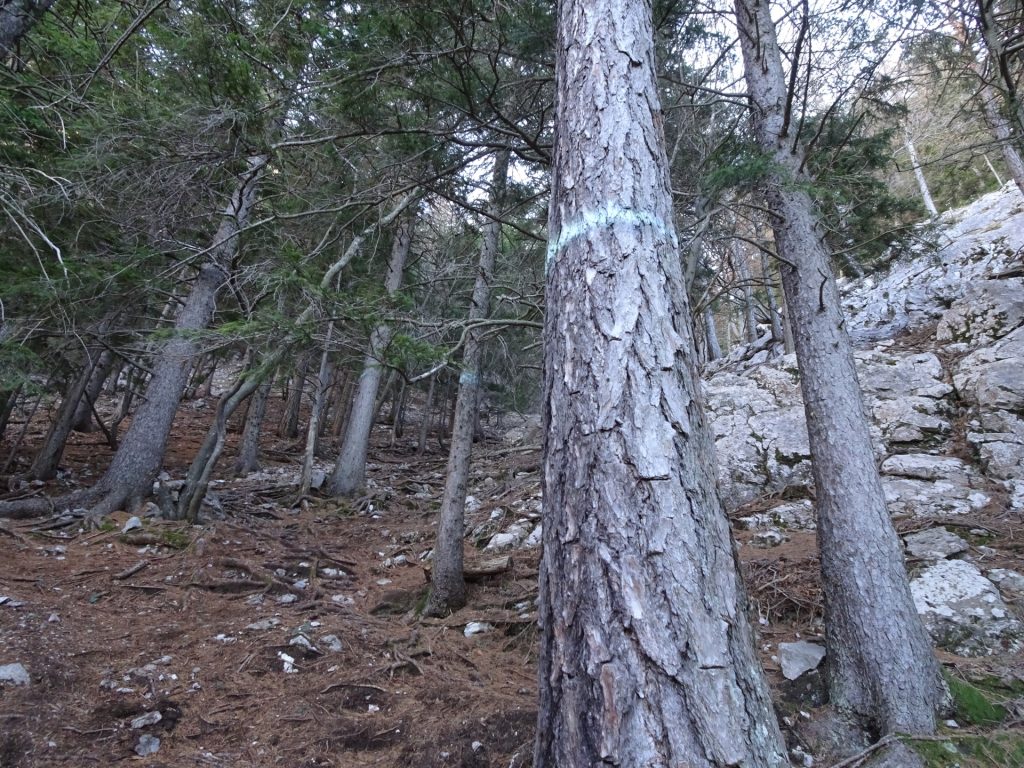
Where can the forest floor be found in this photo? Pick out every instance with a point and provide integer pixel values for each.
(207, 624)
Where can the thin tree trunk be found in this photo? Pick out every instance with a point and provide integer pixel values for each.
(421, 445)
(398, 417)
(881, 665)
(922, 182)
(711, 335)
(8, 400)
(773, 305)
(992, 168)
(248, 460)
(349, 474)
(293, 403)
(646, 655)
(197, 480)
(47, 460)
(83, 420)
(344, 405)
(321, 385)
(137, 461)
(743, 273)
(447, 583)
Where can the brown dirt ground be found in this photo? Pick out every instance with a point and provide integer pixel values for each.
(172, 637)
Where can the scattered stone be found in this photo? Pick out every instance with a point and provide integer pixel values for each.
(477, 628)
(303, 642)
(16, 674)
(799, 657)
(224, 639)
(963, 610)
(923, 466)
(288, 663)
(508, 539)
(1007, 579)
(934, 544)
(150, 718)
(332, 643)
(147, 745)
(53, 619)
(264, 624)
(768, 539)
(317, 479)
(134, 523)
(287, 599)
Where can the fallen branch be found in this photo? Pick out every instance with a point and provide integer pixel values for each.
(129, 572)
(480, 570)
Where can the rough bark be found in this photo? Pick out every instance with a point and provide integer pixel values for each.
(447, 583)
(17, 17)
(881, 665)
(349, 474)
(922, 182)
(248, 459)
(137, 461)
(646, 656)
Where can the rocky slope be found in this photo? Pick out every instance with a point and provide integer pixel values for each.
(940, 340)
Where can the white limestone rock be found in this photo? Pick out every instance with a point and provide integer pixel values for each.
(799, 658)
(963, 610)
(934, 544)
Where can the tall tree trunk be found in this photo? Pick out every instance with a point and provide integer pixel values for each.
(739, 259)
(421, 444)
(289, 426)
(711, 335)
(998, 124)
(248, 460)
(646, 655)
(349, 474)
(137, 461)
(773, 305)
(8, 399)
(881, 665)
(84, 420)
(922, 182)
(447, 584)
(47, 460)
(320, 387)
(343, 407)
(197, 480)
(17, 17)
(398, 412)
